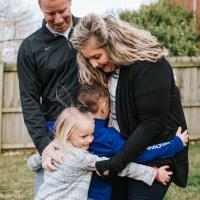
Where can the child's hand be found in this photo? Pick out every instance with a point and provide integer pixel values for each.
(163, 176)
(92, 166)
(183, 136)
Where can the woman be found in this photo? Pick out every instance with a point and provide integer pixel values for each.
(145, 102)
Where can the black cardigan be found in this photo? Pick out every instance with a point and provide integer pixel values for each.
(149, 111)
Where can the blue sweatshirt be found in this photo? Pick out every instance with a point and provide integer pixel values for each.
(108, 141)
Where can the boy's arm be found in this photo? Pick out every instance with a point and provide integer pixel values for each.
(139, 172)
(109, 142)
(161, 151)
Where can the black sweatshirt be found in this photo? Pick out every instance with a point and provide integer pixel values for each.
(45, 63)
(149, 111)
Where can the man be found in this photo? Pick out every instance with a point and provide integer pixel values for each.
(46, 61)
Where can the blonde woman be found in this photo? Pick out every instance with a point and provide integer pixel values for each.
(145, 103)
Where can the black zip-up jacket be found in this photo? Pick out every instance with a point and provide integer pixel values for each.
(149, 111)
(45, 63)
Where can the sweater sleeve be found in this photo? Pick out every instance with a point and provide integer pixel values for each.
(152, 98)
(139, 172)
(30, 89)
(161, 151)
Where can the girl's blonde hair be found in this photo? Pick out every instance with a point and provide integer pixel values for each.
(124, 44)
(67, 122)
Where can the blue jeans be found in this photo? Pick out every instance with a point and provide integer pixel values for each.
(128, 189)
(39, 179)
(40, 173)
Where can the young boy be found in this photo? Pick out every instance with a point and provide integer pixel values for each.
(108, 141)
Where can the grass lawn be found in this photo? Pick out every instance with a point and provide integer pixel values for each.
(16, 181)
(192, 191)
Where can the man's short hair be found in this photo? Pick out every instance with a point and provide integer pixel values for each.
(91, 96)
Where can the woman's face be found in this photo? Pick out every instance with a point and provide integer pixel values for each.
(97, 56)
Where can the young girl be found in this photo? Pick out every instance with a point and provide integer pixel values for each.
(74, 133)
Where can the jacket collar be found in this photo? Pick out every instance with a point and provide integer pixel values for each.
(48, 35)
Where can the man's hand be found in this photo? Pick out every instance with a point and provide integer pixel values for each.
(50, 155)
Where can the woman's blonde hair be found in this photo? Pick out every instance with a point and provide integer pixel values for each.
(67, 122)
(124, 44)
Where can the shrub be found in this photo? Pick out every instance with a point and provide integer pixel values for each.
(173, 25)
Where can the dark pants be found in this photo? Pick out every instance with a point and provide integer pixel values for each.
(127, 189)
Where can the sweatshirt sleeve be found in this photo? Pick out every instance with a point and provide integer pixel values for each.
(161, 151)
(151, 88)
(107, 142)
(30, 92)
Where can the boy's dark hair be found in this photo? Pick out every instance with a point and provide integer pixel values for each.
(90, 96)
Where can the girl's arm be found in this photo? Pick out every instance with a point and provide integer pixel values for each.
(147, 174)
(139, 172)
(133, 170)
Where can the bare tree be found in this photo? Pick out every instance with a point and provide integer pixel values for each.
(18, 18)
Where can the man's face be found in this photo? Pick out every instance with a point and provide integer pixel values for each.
(57, 14)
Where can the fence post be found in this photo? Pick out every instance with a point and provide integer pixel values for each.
(1, 100)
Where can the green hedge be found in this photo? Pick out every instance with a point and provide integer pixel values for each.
(174, 26)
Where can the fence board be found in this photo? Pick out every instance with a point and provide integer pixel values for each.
(1, 98)
(14, 132)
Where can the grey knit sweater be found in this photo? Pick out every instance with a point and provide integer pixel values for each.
(72, 179)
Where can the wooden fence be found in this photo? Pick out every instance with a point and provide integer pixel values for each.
(14, 135)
